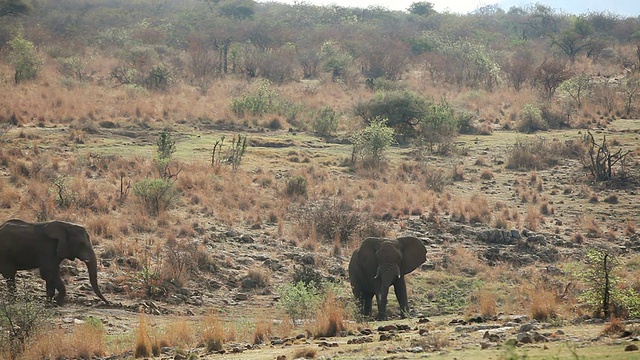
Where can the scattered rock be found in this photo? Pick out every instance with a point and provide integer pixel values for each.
(524, 338)
(632, 347)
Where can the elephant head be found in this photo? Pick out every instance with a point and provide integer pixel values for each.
(380, 263)
(74, 242)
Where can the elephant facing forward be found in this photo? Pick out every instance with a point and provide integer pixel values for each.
(45, 245)
(380, 263)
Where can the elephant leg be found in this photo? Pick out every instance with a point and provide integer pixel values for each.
(367, 301)
(51, 290)
(381, 299)
(400, 288)
(54, 282)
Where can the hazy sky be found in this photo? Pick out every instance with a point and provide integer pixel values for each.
(622, 7)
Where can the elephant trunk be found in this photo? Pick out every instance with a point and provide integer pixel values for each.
(92, 267)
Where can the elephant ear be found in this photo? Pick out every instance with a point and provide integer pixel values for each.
(367, 255)
(57, 230)
(413, 253)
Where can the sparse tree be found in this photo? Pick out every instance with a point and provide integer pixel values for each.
(577, 88)
(550, 74)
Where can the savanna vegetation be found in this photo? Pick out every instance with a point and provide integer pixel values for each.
(228, 156)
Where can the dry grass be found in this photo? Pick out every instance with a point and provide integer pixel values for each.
(212, 333)
(487, 303)
(330, 318)
(84, 341)
(533, 218)
(473, 210)
(541, 302)
(614, 327)
(465, 261)
(142, 347)
(305, 353)
(260, 276)
(263, 330)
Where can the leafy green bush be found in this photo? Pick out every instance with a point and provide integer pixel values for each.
(297, 186)
(159, 78)
(603, 293)
(156, 195)
(403, 110)
(531, 120)
(257, 103)
(24, 58)
(21, 317)
(307, 275)
(325, 121)
(166, 145)
(370, 143)
(299, 300)
(438, 126)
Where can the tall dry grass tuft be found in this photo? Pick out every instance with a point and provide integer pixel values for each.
(85, 341)
(533, 218)
(212, 332)
(330, 318)
(178, 333)
(142, 347)
(488, 303)
(615, 326)
(473, 210)
(542, 302)
(262, 331)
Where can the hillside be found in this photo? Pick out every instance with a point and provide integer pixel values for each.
(219, 152)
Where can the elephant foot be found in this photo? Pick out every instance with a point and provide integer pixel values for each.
(60, 300)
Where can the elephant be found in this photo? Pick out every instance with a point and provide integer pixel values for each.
(44, 245)
(379, 263)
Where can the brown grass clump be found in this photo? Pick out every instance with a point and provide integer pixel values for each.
(212, 333)
(464, 261)
(473, 210)
(629, 227)
(432, 341)
(259, 276)
(142, 346)
(488, 303)
(486, 174)
(262, 331)
(542, 303)
(615, 326)
(177, 333)
(533, 218)
(85, 341)
(330, 318)
(306, 353)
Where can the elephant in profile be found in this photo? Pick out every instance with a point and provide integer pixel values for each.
(45, 245)
(380, 263)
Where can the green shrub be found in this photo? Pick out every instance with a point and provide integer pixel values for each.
(21, 317)
(166, 145)
(156, 195)
(24, 58)
(531, 120)
(603, 293)
(297, 186)
(159, 78)
(370, 144)
(403, 110)
(325, 121)
(307, 275)
(535, 153)
(256, 103)
(438, 126)
(299, 300)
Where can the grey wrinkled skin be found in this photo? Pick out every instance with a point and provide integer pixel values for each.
(381, 263)
(44, 246)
